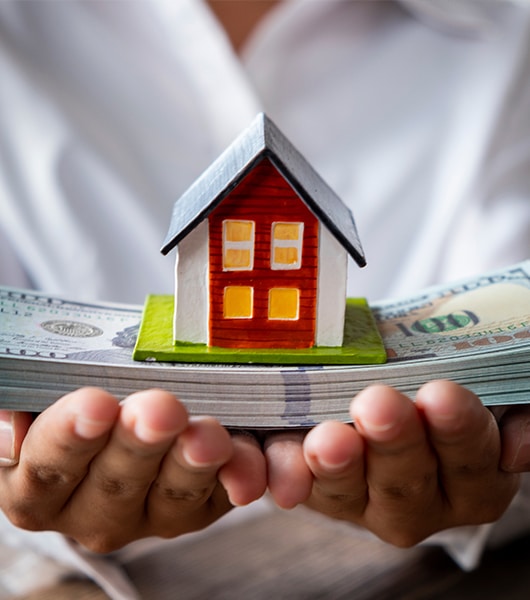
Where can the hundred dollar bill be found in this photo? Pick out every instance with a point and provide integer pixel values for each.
(36, 325)
(476, 332)
(489, 311)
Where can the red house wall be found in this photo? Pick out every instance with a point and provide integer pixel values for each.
(265, 197)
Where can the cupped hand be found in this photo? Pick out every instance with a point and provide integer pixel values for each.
(107, 473)
(405, 470)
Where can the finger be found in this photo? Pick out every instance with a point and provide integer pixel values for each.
(119, 478)
(244, 476)
(55, 455)
(13, 429)
(186, 494)
(290, 479)
(515, 436)
(401, 469)
(466, 439)
(334, 453)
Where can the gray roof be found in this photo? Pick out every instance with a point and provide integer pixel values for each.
(263, 139)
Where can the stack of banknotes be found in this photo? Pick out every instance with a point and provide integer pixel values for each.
(474, 332)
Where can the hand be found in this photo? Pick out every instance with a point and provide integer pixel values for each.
(106, 473)
(405, 471)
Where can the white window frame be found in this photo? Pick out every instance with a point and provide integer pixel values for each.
(298, 243)
(239, 245)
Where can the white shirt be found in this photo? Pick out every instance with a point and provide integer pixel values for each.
(415, 113)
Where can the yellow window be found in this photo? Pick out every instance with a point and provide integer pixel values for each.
(284, 303)
(239, 231)
(287, 231)
(237, 302)
(238, 245)
(236, 259)
(286, 251)
(285, 256)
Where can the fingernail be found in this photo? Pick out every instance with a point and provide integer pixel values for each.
(332, 467)
(7, 440)
(377, 431)
(204, 445)
(90, 429)
(149, 435)
(196, 463)
(374, 427)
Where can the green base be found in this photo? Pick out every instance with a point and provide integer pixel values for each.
(362, 342)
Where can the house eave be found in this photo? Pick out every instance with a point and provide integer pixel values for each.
(262, 139)
(205, 185)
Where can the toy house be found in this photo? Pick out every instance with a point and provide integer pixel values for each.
(262, 250)
(262, 247)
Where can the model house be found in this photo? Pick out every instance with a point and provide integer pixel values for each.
(261, 250)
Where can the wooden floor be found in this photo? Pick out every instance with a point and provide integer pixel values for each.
(298, 556)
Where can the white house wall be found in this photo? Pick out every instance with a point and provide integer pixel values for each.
(190, 322)
(331, 291)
